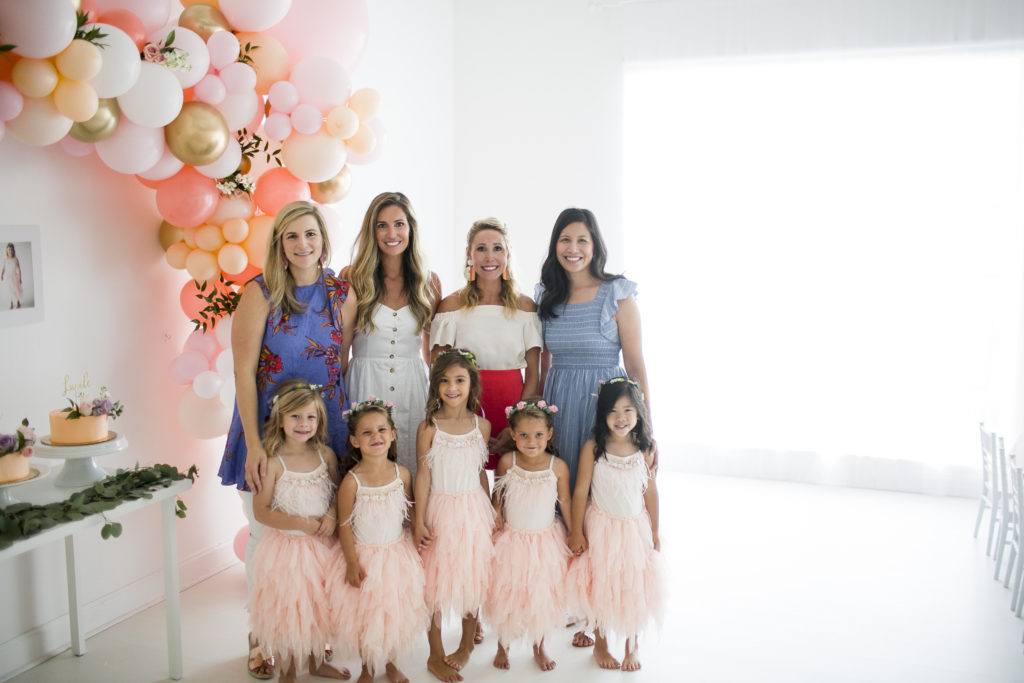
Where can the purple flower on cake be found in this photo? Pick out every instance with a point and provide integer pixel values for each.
(19, 442)
(7, 442)
(88, 406)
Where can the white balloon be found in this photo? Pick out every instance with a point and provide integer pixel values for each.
(165, 168)
(37, 28)
(132, 148)
(152, 13)
(210, 88)
(227, 164)
(226, 362)
(207, 384)
(39, 122)
(222, 330)
(223, 47)
(238, 77)
(155, 99)
(322, 82)
(121, 63)
(227, 395)
(238, 109)
(254, 15)
(197, 56)
(313, 158)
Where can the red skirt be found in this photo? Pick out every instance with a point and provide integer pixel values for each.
(499, 389)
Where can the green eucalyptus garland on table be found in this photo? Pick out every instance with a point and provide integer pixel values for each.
(22, 520)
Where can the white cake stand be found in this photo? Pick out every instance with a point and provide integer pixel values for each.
(79, 467)
(34, 472)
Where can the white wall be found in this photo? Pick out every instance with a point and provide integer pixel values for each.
(111, 308)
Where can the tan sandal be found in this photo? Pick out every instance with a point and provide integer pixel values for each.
(259, 666)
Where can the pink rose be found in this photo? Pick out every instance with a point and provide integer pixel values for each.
(28, 433)
(27, 451)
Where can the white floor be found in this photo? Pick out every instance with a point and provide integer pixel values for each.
(771, 581)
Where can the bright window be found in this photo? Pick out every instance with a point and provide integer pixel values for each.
(829, 251)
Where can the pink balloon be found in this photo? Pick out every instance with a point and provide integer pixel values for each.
(187, 198)
(163, 169)
(186, 366)
(203, 418)
(132, 148)
(153, 13)
(283, 96)
(332, 28)
(223, 47)
(11, 101)
(238, 77)
(204, 342)
(322, 82)
(377, 126)
(241, 540)
(76, 148)
(40, 28)
(257, 119)
(277, 187)
(254, 15)
(239, 108)
(306, 119)
(278, 126)
(207, 384)
(211, 89)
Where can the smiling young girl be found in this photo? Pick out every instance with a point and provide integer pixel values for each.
(527, 597)
(618, 579)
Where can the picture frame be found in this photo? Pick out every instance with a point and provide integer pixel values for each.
(21, 275)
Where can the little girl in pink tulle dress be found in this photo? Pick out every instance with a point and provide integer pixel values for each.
(289, 614)
(454, 518)
(527, 597)
(617, 581)
(376, 589)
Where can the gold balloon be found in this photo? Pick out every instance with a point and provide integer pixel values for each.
(333, 190)
(102, 124)
(245, 165)
(204, 20)
(170, 234)
(199, 135)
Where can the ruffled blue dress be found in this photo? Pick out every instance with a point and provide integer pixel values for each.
(585, 350)
(307, 346)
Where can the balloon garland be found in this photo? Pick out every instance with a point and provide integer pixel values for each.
(228, 109)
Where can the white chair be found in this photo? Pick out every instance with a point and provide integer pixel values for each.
(988, 484)
(1001, 511)
(1017, 485)
(1013, 527)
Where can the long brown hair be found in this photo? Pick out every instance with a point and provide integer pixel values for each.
(354, 455)
(365, 272)
(276, 275)
(469, 296)
(445, 360)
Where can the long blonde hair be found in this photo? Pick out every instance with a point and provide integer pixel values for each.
(276, 276)
(365, 273)
(469, 296)
(291, 395)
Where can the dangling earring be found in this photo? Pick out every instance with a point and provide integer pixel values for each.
(504, 273)
(472, 273)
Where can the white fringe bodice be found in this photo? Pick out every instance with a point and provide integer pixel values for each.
(303, 494)
(379, 512)
(618, 484)
(528, 498)
(455, 461)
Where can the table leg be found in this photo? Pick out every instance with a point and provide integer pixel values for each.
(74, 601)
(171, 588)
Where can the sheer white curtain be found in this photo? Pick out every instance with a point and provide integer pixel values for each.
(829, 254)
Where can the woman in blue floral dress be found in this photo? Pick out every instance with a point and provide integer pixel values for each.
(288, 324)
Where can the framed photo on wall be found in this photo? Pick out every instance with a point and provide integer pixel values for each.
(21, 275)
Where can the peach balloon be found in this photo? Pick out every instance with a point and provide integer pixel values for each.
(189, 3)
(76, 100)
(169, 234)
(39, 122)
(177, 255)
(270, 61)
(81, 60)
(363, 141)
(314, 158)
(188, 236)
(235, 230)
(249, 273)
(342, 122)
(277, 187)
(256, 243)
(128, 22)
(34, 77)
(232, 259)
(365, 102)
(201, 265)
(187, 198)
(238, 205)
(208, 237)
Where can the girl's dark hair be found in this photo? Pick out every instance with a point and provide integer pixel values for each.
(354, 456)
(445, 360)
(532, 410)
(610, 392)
(552, 275)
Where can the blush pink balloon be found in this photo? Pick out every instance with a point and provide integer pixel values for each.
(238, 77)
(211, 89)
(152, 13)
(186, 366)
(40, 28)
(11, 101)
(306, 119)
(254, 15)
(203, 418)
(241, 540)
(187, 198)
(278, 126)
(322, 82)
(132, 148)
(283, 97)
(76, 148)
(127, 22)
(205, 342)
(277, 187)
(163, 169)
(223, 47)
(332, 28)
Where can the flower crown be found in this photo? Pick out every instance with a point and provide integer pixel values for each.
(295, 387)
(371, 402)
(462, 352)
(542, 406)
(619, 380)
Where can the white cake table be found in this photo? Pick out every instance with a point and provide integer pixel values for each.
(80, 470)
(42, 491)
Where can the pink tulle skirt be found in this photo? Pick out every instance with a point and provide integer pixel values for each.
(618, 583)
(287, 610)
(457, 564)
(386, 615)
(527, 598)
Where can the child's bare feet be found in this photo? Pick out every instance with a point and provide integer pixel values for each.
(288, 675)
(602, 655)
(631, 662)
(543, 661)
(325, 670)
(460, 658)
(395, 674)
(501, 658)
(581, 639)
(441, 670)
(478, 634)
(365, 676)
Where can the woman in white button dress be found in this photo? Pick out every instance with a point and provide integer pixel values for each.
(397, 298)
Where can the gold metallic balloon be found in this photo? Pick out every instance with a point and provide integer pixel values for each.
(170, 234)
(245, 165)
(102, 124)
(333, 190)
(204, 20)
(199, 135)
